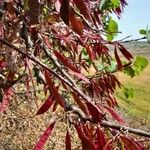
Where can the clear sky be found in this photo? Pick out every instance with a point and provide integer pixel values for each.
(135, 17)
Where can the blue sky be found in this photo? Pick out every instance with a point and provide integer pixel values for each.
(136, 16)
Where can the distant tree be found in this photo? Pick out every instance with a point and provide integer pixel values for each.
(56, 43)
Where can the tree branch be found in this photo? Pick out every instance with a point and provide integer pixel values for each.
(77, 90)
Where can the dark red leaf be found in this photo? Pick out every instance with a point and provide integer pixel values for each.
(108, 145)
(48, 77)
(2, 64)
(118, 59)
(68, 141)
(91, 53)
(76, 23)
(64, 11)
(46, 105)
(96, 114)
(126, 54)
(65, 61)
(115, 115)
(5, 101)
(55, 106)
(87, 143)
(131, 144)
(53, 90)
(81, 104)
(43, 138)
(81, 5)
(101, 140)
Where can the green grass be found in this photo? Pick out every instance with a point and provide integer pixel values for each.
(139, 105)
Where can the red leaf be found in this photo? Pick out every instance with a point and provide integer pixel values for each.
(80, 76)
(95, 112)
(126, 54)
(115, 115)
(43, 138)
(65, 61)
(45, 39)
(46, 105)
(131, 144)
(83, 8)
(5, 101)
(108, 145)
(64, 11)
(91, 53)
(101, 140)
(118, 59)
(87, 143)
(76, 23)
(68, 141)
(2, 64)
(80, 103)
(53, 90)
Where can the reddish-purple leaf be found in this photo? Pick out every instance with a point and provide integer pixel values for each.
(64, 11)
(126, 54)
(108, 145)
(118, 59)
(80, 76)
(46, 41)
(101, 140)
(81, 5)
(46, 105)
(131, 144)
(5, 101)
(81, 104)
(87, 143)
(2, 64)
(68, 141)
(53, 90)
(91, 53)
(66, 62)
(75, 22)
(115, 115)
(43, 138)
(96, 114)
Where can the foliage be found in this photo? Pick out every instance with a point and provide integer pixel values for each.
(146, 33)
(139, 64)
(53, 43)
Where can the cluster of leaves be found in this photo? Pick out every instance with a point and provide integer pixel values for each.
(146, 33)
(57, 42)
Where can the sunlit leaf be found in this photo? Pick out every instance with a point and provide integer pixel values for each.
(46, 105)
(140, 64)
(111, 29)
(44, 137)
(115, 115)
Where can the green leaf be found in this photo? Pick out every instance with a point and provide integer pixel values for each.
(140, 64)
(105, 5)
(128, 92)
(112, 66)
(116, 3)
(130, 72)
(112, 29)
(142, 31)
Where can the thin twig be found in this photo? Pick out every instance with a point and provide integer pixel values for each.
(134, 40)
